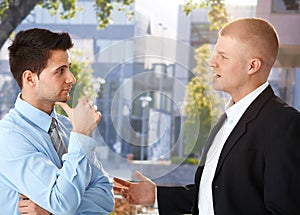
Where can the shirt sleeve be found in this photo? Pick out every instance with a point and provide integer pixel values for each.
(98, 196)
(29, 171)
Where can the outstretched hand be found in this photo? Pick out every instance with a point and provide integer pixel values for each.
(84, 117)
(138, 193)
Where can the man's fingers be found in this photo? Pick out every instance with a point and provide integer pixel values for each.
(140, 176)
(23, 203)
(99, 116)
(65, 107)
(84, 98)
(23, 197)
(121, 182)
(117, 189)
(120, 189)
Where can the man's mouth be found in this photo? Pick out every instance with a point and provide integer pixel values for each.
(68, 89)
(217, 75)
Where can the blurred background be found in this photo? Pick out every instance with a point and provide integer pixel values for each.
(145, 65)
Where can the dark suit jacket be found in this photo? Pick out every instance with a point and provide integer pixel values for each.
(258, 171)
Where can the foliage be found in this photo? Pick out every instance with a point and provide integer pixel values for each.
(104, 10)
(83, 74)
(67, 9)
(12, 12)
(3, 8)
(68, 6)
(190, 160)
(198, 104)
(202, 105)
(217, 11)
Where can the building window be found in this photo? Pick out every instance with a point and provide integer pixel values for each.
(285, 6)
(201, 34)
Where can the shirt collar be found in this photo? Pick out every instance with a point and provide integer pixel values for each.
(33, 114)
(236, 110)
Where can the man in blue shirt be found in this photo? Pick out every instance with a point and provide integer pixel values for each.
(30, 167)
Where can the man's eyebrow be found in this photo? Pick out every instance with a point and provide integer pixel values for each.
(60, 67)
(219, 51)
(64, 65)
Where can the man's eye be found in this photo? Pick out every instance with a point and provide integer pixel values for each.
(61, 70)
(223, 57)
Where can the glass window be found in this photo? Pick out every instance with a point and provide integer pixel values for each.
(114, 51)
(201, 34)
(285, 6)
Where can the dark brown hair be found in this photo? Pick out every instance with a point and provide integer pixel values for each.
(30, 50)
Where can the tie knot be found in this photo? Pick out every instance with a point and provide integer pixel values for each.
(53, 124)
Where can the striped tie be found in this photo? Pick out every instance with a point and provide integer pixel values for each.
(57, 139)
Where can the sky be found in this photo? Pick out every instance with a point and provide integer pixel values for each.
(166, 11)
(241, 2)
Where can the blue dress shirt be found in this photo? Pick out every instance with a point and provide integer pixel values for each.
(29, 165)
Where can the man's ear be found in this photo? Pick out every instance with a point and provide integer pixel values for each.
(254, 65)
(29, 78)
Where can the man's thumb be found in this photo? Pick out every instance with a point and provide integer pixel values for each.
(140, 176)
(65, 107)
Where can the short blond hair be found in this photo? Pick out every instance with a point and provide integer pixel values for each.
(258, 34)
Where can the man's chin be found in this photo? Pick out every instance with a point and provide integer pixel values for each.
(217, 87)
(64, 99)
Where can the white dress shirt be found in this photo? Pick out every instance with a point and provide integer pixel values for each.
(234, 113)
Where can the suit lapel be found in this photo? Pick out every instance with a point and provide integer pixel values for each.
(233, 138)
(239, 130)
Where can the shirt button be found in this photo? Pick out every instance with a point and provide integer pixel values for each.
(216, 187)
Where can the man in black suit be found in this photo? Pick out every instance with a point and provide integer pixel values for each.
(252, 165)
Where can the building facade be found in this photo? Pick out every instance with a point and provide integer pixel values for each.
(285, 16)
(134, 60)
(127, 63)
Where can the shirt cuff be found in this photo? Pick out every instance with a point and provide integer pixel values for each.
(155, 206)
(82, 143)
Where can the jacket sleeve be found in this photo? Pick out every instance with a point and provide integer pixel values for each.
(175, 200)
(282, 164)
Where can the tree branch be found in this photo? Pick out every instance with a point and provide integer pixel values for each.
(17, 11)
